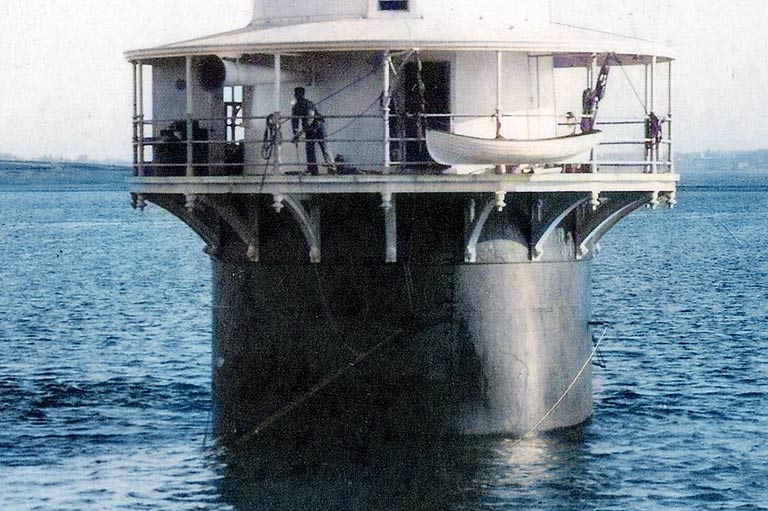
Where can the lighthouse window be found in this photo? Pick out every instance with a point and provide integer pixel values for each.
(393, 5)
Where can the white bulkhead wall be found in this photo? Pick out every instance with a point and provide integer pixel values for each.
(526, 94)
(359, 140)
(527, 98)
(169, 101)
(281, 11)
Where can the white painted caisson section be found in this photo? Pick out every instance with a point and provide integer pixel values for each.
(393, 294)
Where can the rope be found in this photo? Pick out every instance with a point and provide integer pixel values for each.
(324, 301)
(285, 410)
(725, 227)
(270, 138)
(357, 118)
(567, 390)
(629, 81)
(351, 84)
(207, 427)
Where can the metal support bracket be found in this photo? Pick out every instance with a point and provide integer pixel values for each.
(543, 225)
(389, 207)
(196, 219)
(604, 218)
(309, 222)
(475, 228)
(247, 231)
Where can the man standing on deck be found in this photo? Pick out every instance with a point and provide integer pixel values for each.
(312, 125)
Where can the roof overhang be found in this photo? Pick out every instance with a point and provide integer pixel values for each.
(571, 46)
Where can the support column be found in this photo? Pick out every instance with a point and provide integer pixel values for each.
(190, 117)
(140, 115)
(654, 147)
(135, 121)
(389, 206)
(499, 71)
(528, 324)
(495, 362)
(385, 111)
(646, 103)
(669, 118)
(276, 110)
(594, 74)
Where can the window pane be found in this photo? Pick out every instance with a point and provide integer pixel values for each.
(393, 5)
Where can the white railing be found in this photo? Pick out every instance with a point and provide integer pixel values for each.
(163, 147)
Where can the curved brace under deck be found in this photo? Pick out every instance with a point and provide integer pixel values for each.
(247, 231)
(309, 222)
(544, 225)
(202, 224)
(206, 214)
(476, 229)
(608, 214)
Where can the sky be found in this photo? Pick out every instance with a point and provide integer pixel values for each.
(65, 86)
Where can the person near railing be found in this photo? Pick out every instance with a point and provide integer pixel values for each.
(305, 115)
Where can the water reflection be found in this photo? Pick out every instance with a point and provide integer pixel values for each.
(278, 473)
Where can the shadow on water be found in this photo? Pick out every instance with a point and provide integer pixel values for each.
(282, 472)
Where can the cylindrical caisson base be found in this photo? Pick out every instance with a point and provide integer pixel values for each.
(395, 349)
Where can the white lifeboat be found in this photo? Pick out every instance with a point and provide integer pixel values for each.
(452, 149)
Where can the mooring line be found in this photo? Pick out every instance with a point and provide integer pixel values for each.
(567, 390)
(725, 227)
(285, 410)
(207, 427)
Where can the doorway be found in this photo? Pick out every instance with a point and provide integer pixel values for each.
(424, 92)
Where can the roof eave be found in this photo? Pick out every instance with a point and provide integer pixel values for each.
(335, 46)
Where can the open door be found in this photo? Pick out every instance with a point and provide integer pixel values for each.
(423, 88)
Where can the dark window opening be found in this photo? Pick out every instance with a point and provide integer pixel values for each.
(422, 101)
(393, 5)
(234, 149)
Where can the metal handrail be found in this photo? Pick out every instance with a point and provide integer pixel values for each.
(654, 159)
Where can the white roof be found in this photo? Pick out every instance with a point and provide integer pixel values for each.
(456, 34)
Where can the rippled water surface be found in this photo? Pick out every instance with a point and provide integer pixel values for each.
(104, 376)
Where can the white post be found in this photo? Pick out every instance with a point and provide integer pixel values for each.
(653, 84)
(385, 111)
(190, 115)
(593, 78)
(389, 205)
(140, 114)
(669, 117)
(276, 110)
(654, 148)
(646, 89)
(135, 119)
(499, 70)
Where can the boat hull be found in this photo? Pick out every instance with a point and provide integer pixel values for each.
(453, 149)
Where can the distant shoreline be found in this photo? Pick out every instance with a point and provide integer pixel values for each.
(26, 175)
(30, 163)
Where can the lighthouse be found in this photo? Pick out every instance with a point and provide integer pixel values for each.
(401, 201)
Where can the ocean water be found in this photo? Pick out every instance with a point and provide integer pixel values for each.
(105, 353)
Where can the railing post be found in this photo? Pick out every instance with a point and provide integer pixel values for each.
(669, 117)
(190, 116)
(276, 109)
(646, 93)
(140, 116)
(654, 147)
(385, 111)
(593, 75)
(134, 124)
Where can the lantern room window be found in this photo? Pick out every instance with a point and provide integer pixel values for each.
(393, 5)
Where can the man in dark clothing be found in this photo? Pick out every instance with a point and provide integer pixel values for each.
(305, 114)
